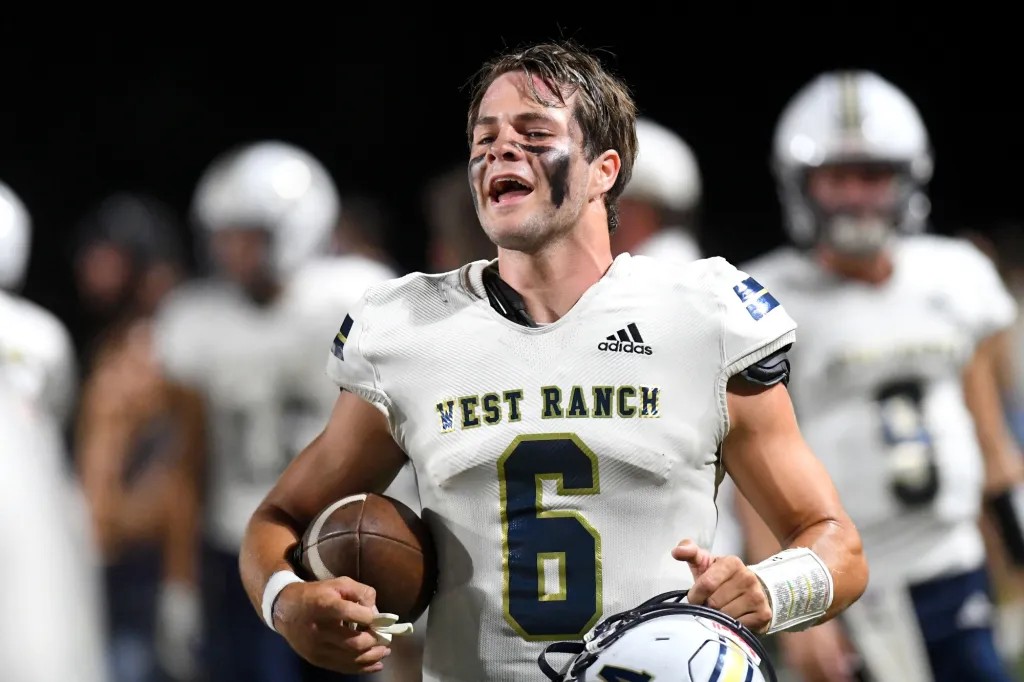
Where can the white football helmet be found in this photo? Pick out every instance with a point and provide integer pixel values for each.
(666, 171)
(274, 186)
(851, 117)
(663, 639)
(15, 239)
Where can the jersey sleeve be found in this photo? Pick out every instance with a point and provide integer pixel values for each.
(754, 323)
(979, 293)
(178, 343)
(350, 358)
(62, 378)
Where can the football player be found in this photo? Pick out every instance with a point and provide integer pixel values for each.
(53, 626)
(39, 384)
(37, 356)
(568, 413)
(241, 342)
(895, 391)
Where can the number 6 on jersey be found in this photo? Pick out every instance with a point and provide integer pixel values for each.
(552, 559)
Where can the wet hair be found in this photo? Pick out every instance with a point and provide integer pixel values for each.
(604, 107)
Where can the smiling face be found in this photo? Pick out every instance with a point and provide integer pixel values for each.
(530, 178)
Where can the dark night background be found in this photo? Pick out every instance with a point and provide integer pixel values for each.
(382, 105)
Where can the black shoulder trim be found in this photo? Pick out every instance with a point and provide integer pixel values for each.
(770, 370)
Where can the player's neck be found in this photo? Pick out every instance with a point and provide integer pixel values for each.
(552, 279)
(875, 269)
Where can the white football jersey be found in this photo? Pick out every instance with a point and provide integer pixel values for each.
(260, 371)
(557, 465)
(52, 626)
(37, 356)
(678, 245)
(876, 381)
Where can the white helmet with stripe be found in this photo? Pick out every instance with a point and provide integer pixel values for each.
(850, 117)
(274, 186)
(666, 171)
(663, 638)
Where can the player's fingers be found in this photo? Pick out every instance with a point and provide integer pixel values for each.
(331, 609)
(698, 559)
(712, 578)
(342, 657)
(354, 591)
(737, 584)
(374, 655)
(750, 610)
(355, 643)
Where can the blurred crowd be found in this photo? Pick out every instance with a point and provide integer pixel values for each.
(134, 449)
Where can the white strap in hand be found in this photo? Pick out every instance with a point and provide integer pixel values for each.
(386, 625)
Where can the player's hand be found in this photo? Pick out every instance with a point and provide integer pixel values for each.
(726, 584)
(326, 622)
(819, 654)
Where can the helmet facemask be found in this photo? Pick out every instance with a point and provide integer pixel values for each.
(852, 119)
(861, 224)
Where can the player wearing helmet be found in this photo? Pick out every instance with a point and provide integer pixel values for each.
(38, 379)
(36, 352)
(896, 393)
(658, 209)
(568, 413)
(240, 341)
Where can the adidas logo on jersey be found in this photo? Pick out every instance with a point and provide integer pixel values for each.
(626, 340)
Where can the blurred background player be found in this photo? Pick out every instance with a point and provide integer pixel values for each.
(319, 293)
(896, 392)
(659, 212)
(127, 255)
(247, 342)
(36, 351)
(40, 497)
(1004, 244)
(53, 625)
(131, 440)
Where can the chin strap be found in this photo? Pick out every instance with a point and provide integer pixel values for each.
(572, 648)
(504, 298)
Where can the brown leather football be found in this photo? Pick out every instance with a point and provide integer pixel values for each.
(378, 541)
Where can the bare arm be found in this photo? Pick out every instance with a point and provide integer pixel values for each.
(184, 494)
(354, 453)
(1004, 466)
(789, 488)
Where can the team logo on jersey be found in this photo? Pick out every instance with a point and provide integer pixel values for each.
(338, 347)
(760, 301)
(626, 340)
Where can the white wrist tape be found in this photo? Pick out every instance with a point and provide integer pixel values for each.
(277, 582)
(799, 588)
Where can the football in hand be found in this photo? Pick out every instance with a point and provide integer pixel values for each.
(378, 541)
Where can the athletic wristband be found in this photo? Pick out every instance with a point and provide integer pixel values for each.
(277, 582)
(799, 588)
